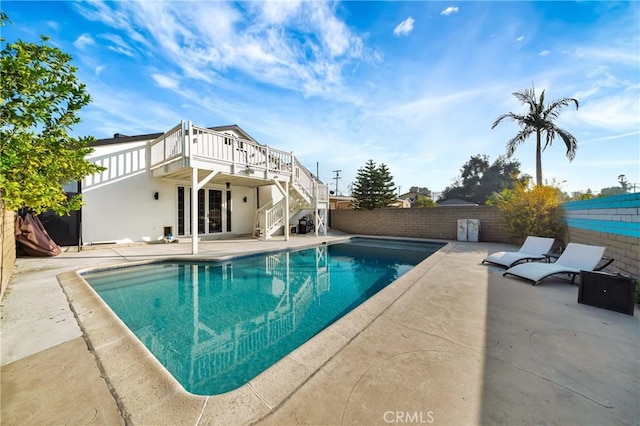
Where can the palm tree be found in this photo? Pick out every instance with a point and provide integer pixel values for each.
(539, 120)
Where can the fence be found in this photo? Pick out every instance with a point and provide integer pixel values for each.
(8, 245)
(612, 222)
(437, 222)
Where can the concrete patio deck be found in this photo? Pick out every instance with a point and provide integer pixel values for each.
(451, 342)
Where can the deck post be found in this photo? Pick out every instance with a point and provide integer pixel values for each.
(316, 216)
(194, 210)
(287, 227)
(186, 148)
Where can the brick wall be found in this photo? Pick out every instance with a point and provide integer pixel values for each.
(437, 222)
(8, 246)
(612, 222)
(624, 250)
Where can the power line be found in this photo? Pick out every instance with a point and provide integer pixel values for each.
(337, 178)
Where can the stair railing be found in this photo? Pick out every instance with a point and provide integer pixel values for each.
(274, 218)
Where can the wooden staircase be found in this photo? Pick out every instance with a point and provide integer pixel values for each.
(270, 218)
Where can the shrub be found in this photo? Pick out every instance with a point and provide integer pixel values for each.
(533, 210)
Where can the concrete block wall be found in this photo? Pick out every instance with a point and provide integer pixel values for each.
(612, 222)
(436, 222)
(8, 246)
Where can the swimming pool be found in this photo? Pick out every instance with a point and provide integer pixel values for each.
(216, 325)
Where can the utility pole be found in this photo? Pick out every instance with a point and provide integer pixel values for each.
(337, 178)
(399, 188)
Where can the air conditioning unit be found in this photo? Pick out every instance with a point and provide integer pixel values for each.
(469, 230)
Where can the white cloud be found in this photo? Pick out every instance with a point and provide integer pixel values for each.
(84, 40)
(608, 54)
(118, 44)
(333, 32)
(599, 78)
(165, 81)
(53, 25)
(449, 10)
(278, 12)
(258, 63)
(610, 138)
(98, 69)
(619, 110)
(519, 39)
(116, 18)
(404, 28)
(300, 46)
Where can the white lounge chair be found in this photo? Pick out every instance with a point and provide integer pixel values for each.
(534, 248)
(575, 258)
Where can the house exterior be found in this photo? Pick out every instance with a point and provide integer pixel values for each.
(401, 203)
(412, 197)
(242, 187)
(341, 202)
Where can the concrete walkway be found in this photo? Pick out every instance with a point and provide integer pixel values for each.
(452, 342)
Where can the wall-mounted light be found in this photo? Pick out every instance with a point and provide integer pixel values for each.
(156, 195)
(244, 199)
(228, 185)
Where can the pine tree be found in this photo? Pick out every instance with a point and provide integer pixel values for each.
(374, 187)
(387, 189)
(363, 188)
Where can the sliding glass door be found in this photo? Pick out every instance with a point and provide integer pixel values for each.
(210, 211)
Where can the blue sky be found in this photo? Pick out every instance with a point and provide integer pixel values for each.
(414, 85)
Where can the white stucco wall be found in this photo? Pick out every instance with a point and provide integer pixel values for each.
(125, 210)
(268, 193)
(243, 213)
(120, 204)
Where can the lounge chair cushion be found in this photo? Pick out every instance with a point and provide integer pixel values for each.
(575, 258)
(534, 248)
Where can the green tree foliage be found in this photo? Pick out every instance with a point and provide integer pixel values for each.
(613, 190)
(579, 195)
(539, 120)
(533, 210)
(374, 187)
(424, 201)
(420, 190)
(479, 179)
(41, 97)
(624, 188)
(624, 183)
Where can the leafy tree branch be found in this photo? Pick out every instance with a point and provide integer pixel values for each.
(41, 97)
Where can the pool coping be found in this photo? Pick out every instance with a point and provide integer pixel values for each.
(145, 392)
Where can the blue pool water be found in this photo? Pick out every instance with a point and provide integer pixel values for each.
(217, 325)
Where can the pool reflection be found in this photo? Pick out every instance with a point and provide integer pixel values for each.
(215, 326)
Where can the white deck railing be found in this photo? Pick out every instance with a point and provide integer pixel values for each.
(186, 140)
(167, 148)
(209, 146)
(193, 141)
(117, 166)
